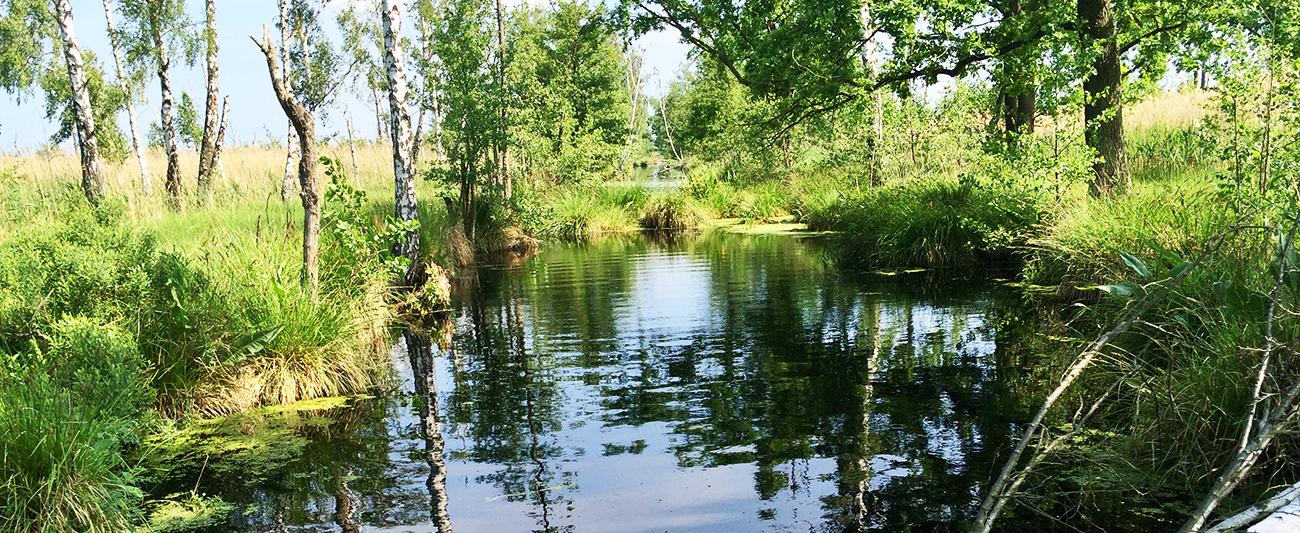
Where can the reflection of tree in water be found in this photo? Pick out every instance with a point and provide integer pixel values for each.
(802, 364)
(420, 349)
(794, 363)
(508, 399)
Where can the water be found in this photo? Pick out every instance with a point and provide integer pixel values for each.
(711, 383)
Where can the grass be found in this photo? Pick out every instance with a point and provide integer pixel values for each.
(143, 311)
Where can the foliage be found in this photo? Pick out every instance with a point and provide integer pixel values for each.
(106, 100)
(362, 244)
(63, 467)
(932, 225)
(188, 128)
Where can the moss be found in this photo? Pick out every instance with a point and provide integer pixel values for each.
(188, 512)
(247, 447)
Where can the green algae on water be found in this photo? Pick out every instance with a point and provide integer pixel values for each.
(242, 448)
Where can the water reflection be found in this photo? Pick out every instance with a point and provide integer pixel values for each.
(717, 383)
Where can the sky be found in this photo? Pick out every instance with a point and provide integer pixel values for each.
(254, 111)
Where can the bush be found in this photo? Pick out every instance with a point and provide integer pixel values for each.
(65, 430)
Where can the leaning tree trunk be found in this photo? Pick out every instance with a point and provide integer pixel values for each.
(286, 183)
(136, 144)
(92, 177)
(868, 57)
(400, 127)
(208, 147)
(1103, 107)
(304, 125)
(221, 134)
(168, 120)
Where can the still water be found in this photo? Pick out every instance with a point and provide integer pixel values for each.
(713, 382)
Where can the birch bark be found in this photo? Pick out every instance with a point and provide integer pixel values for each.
(400, 129)
(136, 144)
(208, 147)
(92, 177)
(168, 116)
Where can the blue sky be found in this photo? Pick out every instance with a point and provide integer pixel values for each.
(254, 110)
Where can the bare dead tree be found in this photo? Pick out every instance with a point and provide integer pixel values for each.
(304, 125)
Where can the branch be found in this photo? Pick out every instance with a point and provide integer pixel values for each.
(1138, 40)
(1258, 511)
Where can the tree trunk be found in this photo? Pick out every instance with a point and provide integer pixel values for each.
(305, 125)
(168, 120)
(219, 146)
(207, 148)
(868, 58)
(286, 183)
(504, 141)
(399, 118)
(136, 144)
(1017, 94)
(92, 177)
(352, 147)
(1103, 107)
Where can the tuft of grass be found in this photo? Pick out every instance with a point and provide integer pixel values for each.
(670, 212)
(936, 224)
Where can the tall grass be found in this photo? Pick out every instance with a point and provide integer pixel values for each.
(938, 224)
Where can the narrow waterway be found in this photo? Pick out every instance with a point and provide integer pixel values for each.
(709, 383)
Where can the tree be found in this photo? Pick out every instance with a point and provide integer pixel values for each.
(1103, 106)
(209, 148)
(304, 124)
(403, 152)
(92, 177)
(187, 122)
(105, 101)
(469, 126)
(125, 84)
(304, 92)
(152, 32)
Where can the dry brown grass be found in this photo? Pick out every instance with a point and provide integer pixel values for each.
(1170, 109)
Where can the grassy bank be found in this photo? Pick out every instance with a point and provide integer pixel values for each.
(117, 319)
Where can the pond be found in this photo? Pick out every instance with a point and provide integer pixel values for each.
(712, 382)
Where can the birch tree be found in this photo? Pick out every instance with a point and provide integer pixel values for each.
(152, 30)
(137, 144)
(286, 183)
(92, 177)
(400, 128)
(208, 147)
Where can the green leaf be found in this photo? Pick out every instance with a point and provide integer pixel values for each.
(253, 343)
(1134, 263)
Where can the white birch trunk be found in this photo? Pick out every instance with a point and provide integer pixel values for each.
(137, 144)
(168, 119)
(207, 149)
(92, 177)
(400, 129)
(868, 57)
(219, 146)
